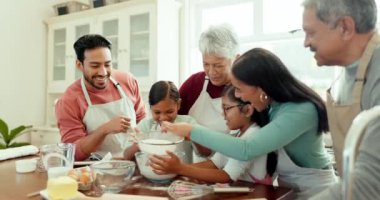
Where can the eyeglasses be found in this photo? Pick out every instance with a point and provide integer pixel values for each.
(225, 109)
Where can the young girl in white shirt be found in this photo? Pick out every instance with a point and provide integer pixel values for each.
(241, 117)
(164, 101)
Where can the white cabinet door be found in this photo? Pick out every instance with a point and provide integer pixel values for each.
(108, 25)
(136, 41)
(152, 33)
(141, 63)
(41, 136)
(80, 29)
(57, 57)
(61, 54)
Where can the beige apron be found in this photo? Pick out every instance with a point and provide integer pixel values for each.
(306, 182)
(208, 112)
(340, 116)
(98, 114)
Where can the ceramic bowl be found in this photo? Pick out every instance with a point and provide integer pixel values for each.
(156, 142)
(112, 176)
(143, 163)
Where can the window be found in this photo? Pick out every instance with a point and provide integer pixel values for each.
(239, 16)
(260, 23)
(281, 16)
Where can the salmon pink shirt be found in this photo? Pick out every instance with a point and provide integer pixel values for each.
(71, 107)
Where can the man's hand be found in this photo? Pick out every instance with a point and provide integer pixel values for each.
(118, 124)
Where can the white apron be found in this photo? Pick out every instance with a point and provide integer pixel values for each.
(340, 116)
(305, 181)
(96, 115)
(208, 112)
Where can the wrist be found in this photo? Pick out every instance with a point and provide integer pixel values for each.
(180, 169)
(104, 130)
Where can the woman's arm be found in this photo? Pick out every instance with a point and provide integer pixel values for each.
(205, 164)
(289, 122)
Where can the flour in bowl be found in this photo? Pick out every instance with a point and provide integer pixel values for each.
(156, 141)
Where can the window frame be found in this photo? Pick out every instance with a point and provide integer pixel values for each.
(258, 36)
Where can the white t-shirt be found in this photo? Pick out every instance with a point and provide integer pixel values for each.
(241, 170)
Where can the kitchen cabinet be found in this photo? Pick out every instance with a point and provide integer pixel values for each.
(44, 135)
(61, 68)
(144, 36)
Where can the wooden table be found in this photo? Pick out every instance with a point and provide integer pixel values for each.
(16, 186)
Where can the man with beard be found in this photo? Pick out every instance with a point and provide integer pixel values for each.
(96, 111)
(343, 33)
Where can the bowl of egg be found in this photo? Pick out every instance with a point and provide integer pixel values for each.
(113, 175)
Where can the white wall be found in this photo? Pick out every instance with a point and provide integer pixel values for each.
(23, 61)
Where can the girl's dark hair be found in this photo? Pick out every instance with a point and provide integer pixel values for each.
(261, 119)
(261, 68)
(161, 90)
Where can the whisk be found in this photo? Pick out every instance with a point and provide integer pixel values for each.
(181, 190)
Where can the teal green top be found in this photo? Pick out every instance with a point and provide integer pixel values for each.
(148, 124)
(292, 126)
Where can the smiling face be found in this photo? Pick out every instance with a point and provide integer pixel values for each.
(324, 40)
(249, 94)
(217, 69)
(234, 115)
(165, 110)
(96, 67)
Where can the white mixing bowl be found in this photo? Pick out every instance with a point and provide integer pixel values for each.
(143, 163)
(158, 143)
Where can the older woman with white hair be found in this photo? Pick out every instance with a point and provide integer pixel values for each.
(201, 92)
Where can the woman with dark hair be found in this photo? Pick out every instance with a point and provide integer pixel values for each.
(297, 119)
(164, 101)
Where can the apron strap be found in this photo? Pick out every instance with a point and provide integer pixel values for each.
(117, 85)
(363, 65)
(205, 84)
(122, 93)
